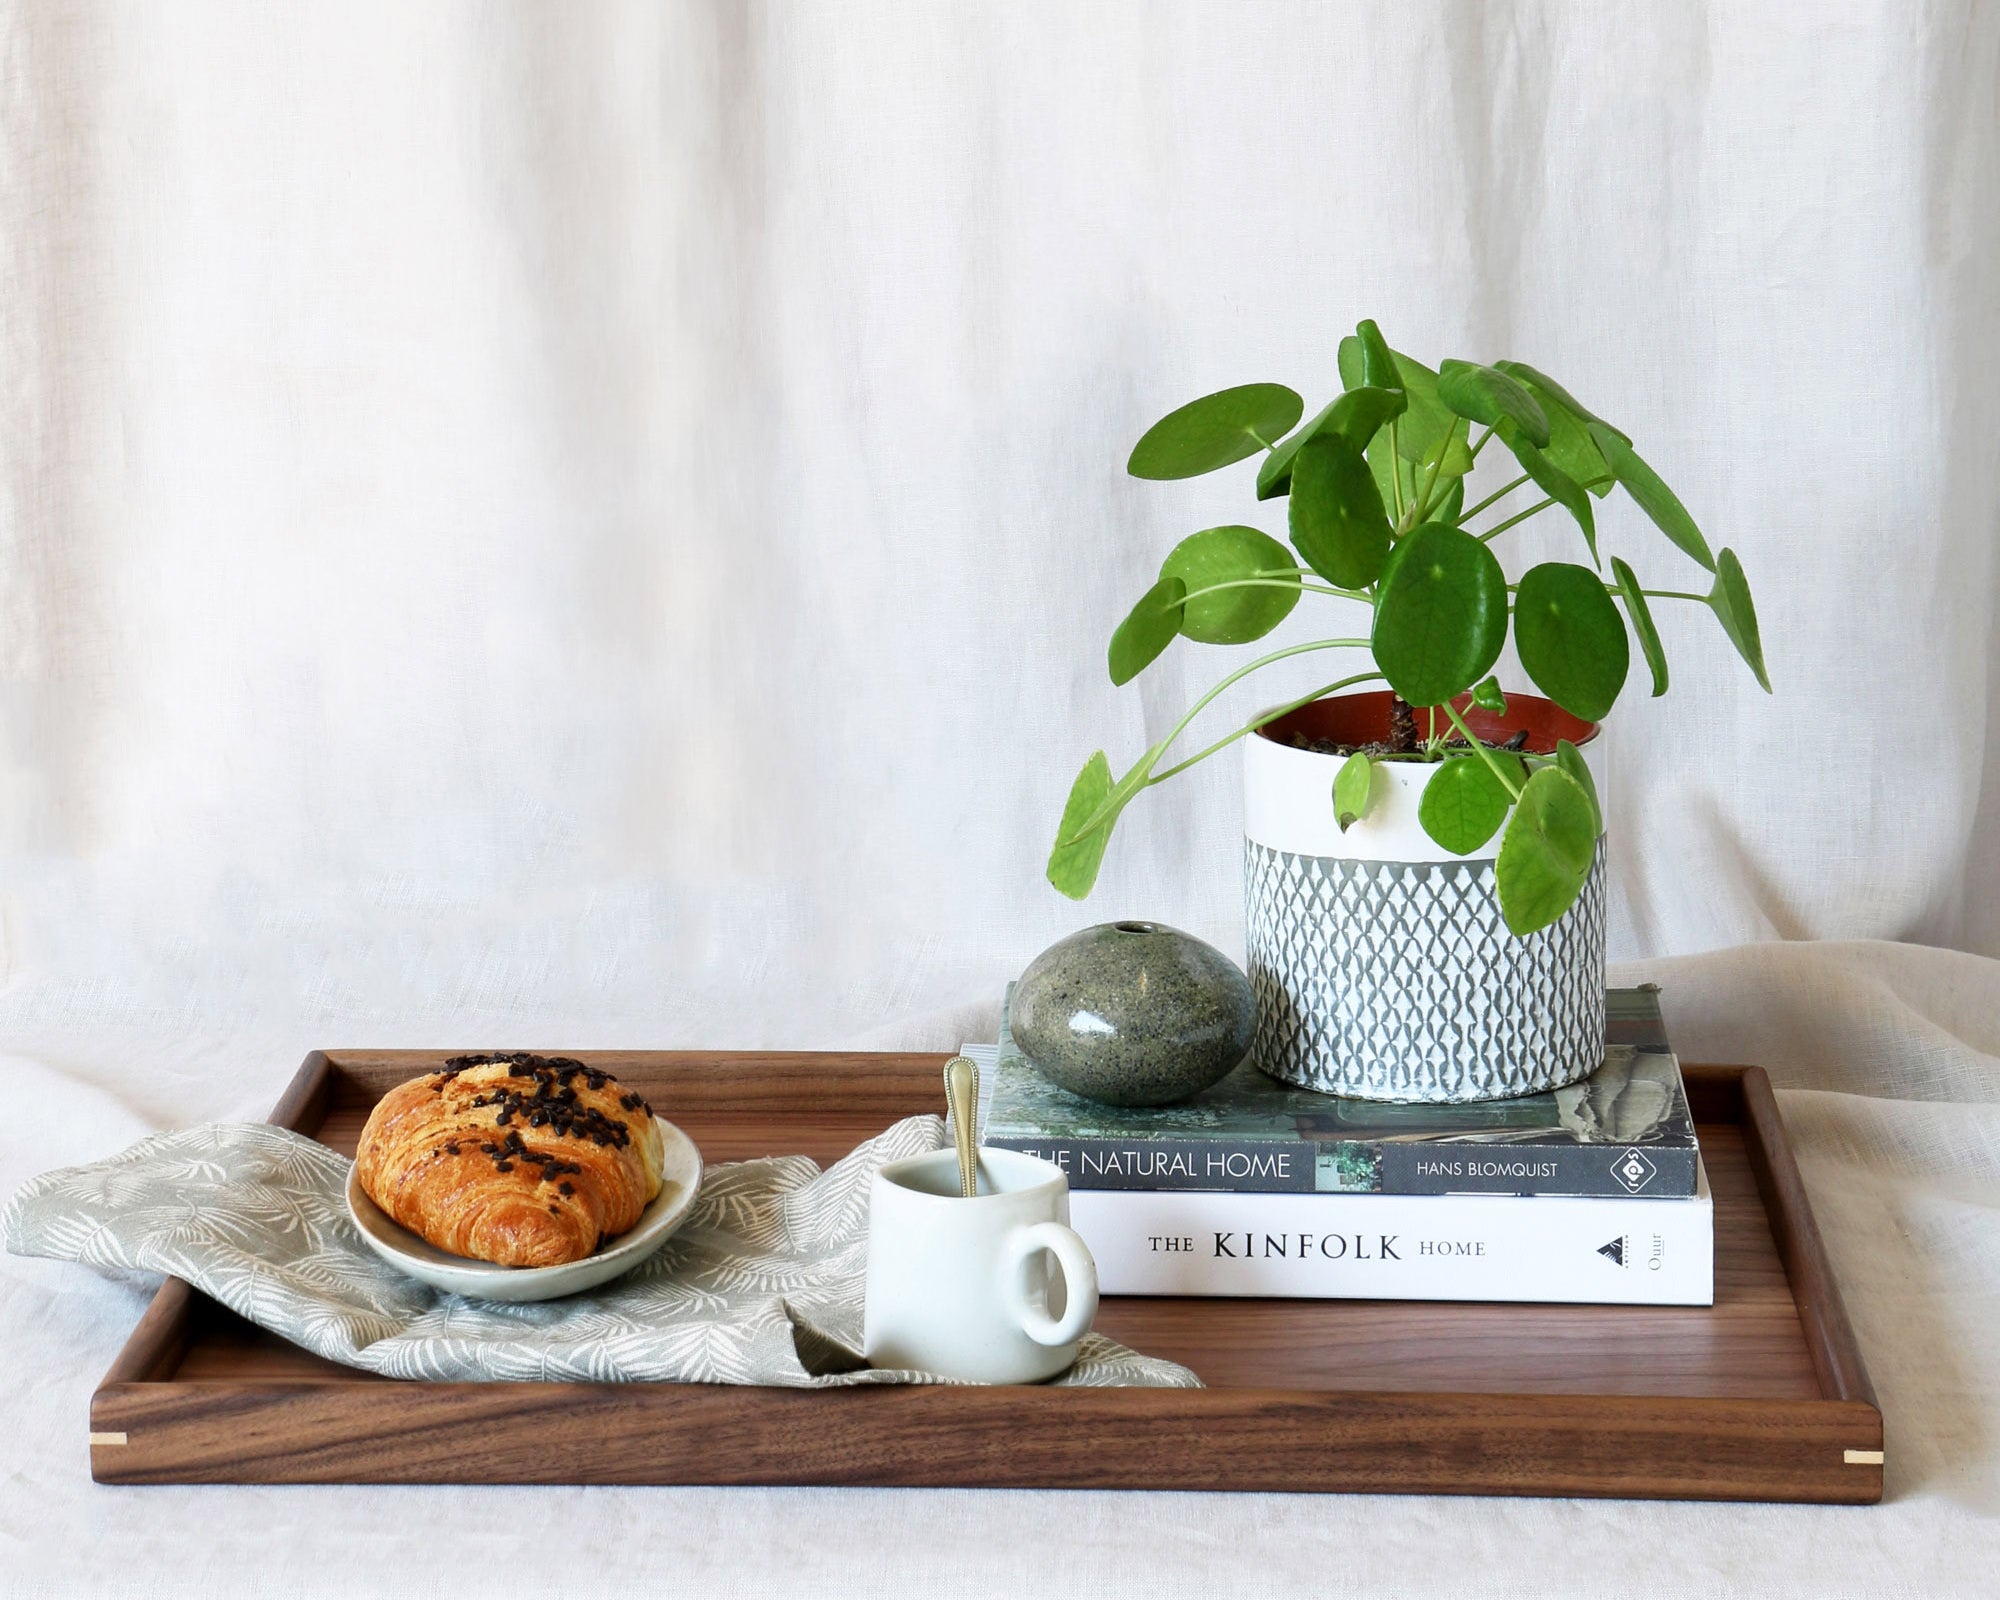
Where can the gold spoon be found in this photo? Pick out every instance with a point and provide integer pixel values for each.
(961, 1094)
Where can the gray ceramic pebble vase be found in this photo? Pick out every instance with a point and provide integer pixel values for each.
(1133, 1014)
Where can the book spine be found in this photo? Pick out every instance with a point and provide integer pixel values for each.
(1388, 1247)
(1366, 1166)
(1426, 1167)
(1249, 1166)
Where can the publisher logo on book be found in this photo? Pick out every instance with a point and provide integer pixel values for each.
(1633, 1170)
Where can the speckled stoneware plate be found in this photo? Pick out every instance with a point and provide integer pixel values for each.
(680, 1179)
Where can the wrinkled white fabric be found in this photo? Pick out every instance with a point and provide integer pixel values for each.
(592, 525)
(762, 1283)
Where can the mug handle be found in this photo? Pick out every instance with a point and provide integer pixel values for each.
(1079, 1281)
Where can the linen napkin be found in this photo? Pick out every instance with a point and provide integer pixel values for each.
(762, 1284)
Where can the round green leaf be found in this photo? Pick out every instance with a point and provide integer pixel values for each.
(1557, 484)
(1546, 854)
(1644, 485)
(1487, 696)
(1215, 430)
(1547, 388)
(1430, 422)
(1485, 394)
(1570, 759)
(1465, 802)
(1356, 416)
(1571, 638)
(1730, 601)
(1073, 863)
(1569, 446)
(1274, 473)
(1571, 450)
(1386, 467)
(1351, 788)
(1440, 614)
(1641, 615)
(1428, 418)
(1154, 623)
(1337, 519)
(1352, 362)
(1450, 472)
(1231, 555)
(1095, 804)
(1378, 362)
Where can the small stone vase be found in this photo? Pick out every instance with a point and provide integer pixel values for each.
(1133, 1014)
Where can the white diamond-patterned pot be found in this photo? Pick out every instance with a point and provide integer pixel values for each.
(1381, 964)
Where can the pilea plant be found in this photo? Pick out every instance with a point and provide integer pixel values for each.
(1377, 510)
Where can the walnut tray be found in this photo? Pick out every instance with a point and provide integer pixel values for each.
(1762, 1397)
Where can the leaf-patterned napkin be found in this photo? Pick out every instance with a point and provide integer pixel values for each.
(762, 1284)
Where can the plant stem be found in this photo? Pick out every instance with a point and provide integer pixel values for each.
(1519, 516)
(1482, 441)
(1396, 471)
(1524, 515)
(1437, 466)
(1435, 742)
(1264, 582)
(1495, 495)
(1266, 443)
(1656, 594)
(1096, 818)
(1243, 672)
(1485, 754)
(1269, 716)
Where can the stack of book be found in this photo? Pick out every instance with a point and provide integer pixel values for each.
(1594, 1193)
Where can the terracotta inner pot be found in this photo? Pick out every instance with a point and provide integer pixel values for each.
(1364, 718)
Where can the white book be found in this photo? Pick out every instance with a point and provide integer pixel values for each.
(1296, 1246)
(1592, 1251)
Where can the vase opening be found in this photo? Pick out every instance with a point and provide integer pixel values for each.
(1361, 719)
(1136, 927)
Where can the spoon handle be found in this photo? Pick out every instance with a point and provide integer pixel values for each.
(961, 1093)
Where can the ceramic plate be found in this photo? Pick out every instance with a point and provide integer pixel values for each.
(680, 1179)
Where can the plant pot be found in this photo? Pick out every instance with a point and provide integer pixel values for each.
(1381, 964)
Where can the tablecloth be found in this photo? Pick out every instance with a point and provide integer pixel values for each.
(1888, 1058)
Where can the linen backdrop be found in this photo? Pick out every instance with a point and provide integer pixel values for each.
(598, 525)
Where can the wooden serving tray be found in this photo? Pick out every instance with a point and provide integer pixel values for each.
(1762, 1397)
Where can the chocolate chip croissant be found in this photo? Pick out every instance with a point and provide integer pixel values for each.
(523, 1160)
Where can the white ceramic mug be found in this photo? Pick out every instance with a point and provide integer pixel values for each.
(962, 1288)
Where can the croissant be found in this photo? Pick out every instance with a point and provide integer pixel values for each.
(523, 1160)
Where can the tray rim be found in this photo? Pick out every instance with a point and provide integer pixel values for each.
(1425, 1427)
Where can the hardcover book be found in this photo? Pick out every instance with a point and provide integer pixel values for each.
(1625, 1131)
(1401, 1247)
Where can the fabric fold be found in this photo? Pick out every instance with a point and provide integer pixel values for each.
(762, 1284)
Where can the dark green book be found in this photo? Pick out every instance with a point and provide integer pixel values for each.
(1624, 1130)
